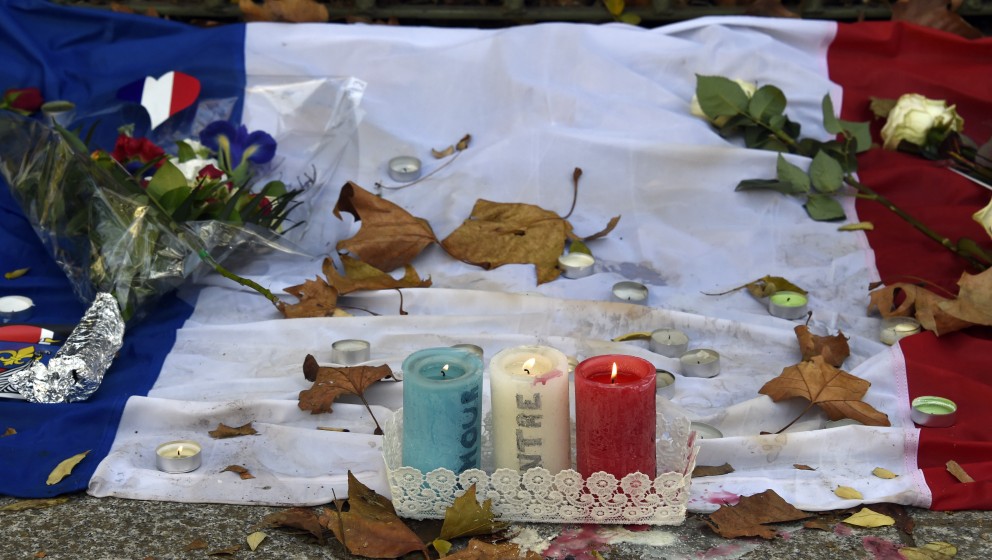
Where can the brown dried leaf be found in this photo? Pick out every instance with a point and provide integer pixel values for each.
(510, 233)
(242, 472)
(702, 470)
(768, 285)
(229, 551)
(317, 299)
(836, 392)
(820, 524)
(390, 237)
(834, 349)
(195, 544)
(297, 518)
(466, 517)
(8, 432)
(362, 276)
(974, 301)
(482, 550)
(332, 382)
(64, 468)
(371, 527)
(925, 305)
(605, 231)
(294, 11)
(904, 521)
(438, 154)
(803, 467)
(39, 503)
(936, 550)
(224, 431)
(749, 516)
(958, 472)
(935, 14)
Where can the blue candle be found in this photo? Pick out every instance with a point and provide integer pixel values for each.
(442, 409)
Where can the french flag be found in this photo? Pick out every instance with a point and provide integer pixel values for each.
(539, 101)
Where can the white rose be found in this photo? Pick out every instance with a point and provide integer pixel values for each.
(191, 167)
(914, 116)
(694, 108)
(984, 217)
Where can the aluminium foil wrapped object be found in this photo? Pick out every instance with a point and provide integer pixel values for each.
(76, 370)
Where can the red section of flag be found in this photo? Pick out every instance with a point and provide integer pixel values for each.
(886, 60)
(185, 90)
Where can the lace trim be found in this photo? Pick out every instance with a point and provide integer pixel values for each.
(537, 495)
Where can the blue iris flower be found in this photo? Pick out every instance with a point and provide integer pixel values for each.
(235, 144)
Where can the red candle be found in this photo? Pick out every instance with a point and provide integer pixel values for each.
(615, 416)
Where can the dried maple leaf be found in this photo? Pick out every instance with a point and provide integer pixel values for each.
(749, 516)
(974, 301)
(940, 315)
(224, 431)
(242, 472)
(499, 233)
(466, 517)
(363, 276)
(482, 550)
(702, 470)
(297, 518)
(294, 11)
(317, 299)
(371, 527)
(836, 392)
(332, 382)
(390, 237)
(834, 349)
(935, 14)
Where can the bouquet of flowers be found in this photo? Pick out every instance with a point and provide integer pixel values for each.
(137, 220)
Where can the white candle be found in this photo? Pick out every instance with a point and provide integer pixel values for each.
(700, 363)
(531, 427)
(576, 265)
(180, 456)
(669, 342)
(895, 329)
(15, 308)
(349, 351)
(630, 292)
(404, 169)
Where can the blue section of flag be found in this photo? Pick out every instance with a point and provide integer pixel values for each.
(86, 56)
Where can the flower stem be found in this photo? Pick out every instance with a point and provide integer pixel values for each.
(240, 280)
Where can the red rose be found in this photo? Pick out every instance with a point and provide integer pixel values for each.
(22, 100)
(136, 150)
(210, 172)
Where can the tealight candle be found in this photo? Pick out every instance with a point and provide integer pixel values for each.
(576, 265)
(705, 431)
(894, 329)
(933, 412)
(473, 348)
(531, 423)
(15, 308)
(665, 378)
(700, 363)
(788, 305)
(630, 292)
(668, 342)
(179, 456)
(615, 418)
(442, 409)
(349, 351)
(404, 169)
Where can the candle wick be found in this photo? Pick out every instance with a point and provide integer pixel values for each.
(527, 371)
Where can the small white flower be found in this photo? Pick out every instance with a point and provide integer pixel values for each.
(191, 168)
(694, 107)
(913, 116)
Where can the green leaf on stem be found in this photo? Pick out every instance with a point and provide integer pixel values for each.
(719, 96)
(826, 173)
(860, 132)
(881, 107)
(823, 208)
(783, 187)
(830, 121)
(791, 173)
(767, 103)
(186, 151)
(167, 178)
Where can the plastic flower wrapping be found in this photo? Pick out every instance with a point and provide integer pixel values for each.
(139, 218)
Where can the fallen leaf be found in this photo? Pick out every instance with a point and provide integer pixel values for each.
(510, 233)
(836, 392)
(481, 550)
(40, 554)
(389, 237)
(363, 276)
(749, 516)
(242, 472)
(803, 467)
(224, 431)
(936, 550)
(921, 303)
(39, 503)
(642, 335)
(860, 226)
(16, 273)
(442, 547)
(834, 349)
(439, 154)
(297, 518)
(371, 527)
(958, 472)
(294, 11)
(883, 473)
(702, 470)
(765, 286)
(8, 432)
(974, 301)
(255, 539)
(229, 551)
(935, 14)
(820, 524)
(317, 299)
(848, 493)
(904, 521)
(65, 468)
(463, 142)
(870, 519)
(332, 382)
(195, 544)
(465, 517)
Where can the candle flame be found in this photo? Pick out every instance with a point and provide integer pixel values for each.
(613, 376)
(179, 452)
(444, 370)
(529, 364)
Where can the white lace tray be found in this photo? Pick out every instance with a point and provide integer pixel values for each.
(539, 496)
